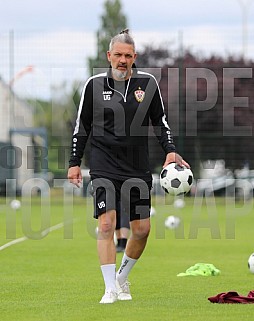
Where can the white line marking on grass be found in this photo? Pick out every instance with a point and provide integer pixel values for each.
(24, 238)
(51, 229)
(16, 241)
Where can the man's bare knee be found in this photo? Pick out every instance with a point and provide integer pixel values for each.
(140, 229)
(106, 225)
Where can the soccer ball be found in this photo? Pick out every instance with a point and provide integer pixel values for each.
(176, 180)
(179, 203)
(152, 211)
(251, 263)
(172, 222)
(15, 204)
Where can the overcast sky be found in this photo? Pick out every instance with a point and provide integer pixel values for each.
(56, 37)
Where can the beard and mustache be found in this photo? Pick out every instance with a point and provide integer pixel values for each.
(118, 74)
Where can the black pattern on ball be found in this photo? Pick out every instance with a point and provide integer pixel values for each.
(175, 179)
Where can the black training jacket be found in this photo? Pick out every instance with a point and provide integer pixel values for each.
(117, 115)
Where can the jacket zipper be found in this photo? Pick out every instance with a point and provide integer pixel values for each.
(126, 91)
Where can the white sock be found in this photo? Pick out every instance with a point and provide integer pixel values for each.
(125, 268)
(109, 276)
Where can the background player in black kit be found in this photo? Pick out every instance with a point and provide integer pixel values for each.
(115, 109)
(122, 231)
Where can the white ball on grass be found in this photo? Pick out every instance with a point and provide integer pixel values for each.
(115, 239)
(172, 222)
(251, 263)
(179, 203)
(15, 204)
(152, 211)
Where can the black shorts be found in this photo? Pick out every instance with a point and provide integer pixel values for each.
(131, 197)
(122, 220)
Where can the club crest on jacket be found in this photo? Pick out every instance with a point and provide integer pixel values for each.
(139, 95)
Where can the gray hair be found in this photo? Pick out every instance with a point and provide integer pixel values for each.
(122, 37)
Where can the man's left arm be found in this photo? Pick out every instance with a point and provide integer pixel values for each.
(175, 158)
(163, 131)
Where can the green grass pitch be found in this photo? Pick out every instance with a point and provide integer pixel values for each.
(54, 275)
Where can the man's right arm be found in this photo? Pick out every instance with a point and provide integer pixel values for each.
(74, 175)
(81, 131)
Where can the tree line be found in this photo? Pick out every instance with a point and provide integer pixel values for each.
(209, 104)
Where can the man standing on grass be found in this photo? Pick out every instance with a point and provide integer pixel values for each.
(115, 109)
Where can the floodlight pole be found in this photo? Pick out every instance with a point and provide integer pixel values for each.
(245, 5)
